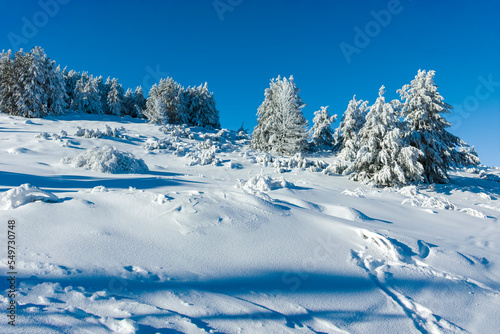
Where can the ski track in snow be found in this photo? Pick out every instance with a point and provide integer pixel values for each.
(382, 253)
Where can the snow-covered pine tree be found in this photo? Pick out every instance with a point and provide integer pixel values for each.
(384, 159)
(202, 110)
(281, 125)
(166, 109)
(7, 83)
(139, 102)
(70, 78)
(322, 132)
(425, 127)
(346, 135)
(87, 98)
(128, 102)
(115, 98)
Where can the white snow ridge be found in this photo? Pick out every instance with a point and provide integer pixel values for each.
(177, 229)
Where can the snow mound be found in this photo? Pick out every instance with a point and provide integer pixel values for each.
(473, 212)
(358, 192)
(263, 183)
(108, 159)
(489, 176)
(408, 191)
(99, 189)
(431, 202)
(25, 194)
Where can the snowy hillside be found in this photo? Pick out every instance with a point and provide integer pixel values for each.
(123, 226)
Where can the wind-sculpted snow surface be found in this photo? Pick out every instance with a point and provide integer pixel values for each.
(253, 243)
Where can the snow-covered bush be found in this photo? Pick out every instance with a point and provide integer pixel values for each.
(181, 131)
(54, 136)
(108, 159)
(262, 183)
(158, 144)
(204, 157)
(24, 194)
(108, 132)
(489, 176)
(431, 202)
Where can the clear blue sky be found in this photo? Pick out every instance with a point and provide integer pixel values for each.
(240, 46)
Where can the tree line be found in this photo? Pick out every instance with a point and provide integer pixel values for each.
(32, 85)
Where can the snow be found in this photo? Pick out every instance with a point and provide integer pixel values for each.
(24, 194)
(178, 248)
(107, 159)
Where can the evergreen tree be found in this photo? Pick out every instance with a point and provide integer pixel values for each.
(425, 127)
(164, 102)
(70, 79)
(7, 83)
(322, 132)
(202, 111)
(281, 125)
(346, 135)
(115, 98)
(128, 102)
(384, 159)
(139, 102)
(87, 98)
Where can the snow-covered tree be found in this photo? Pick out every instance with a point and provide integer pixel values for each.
(322, 132)
(164, 102)
(115, 98)
(281, 125)
(128, 102)
(7, 83)
(70, 78)
(87, 98)
(383, 158)
(139, 102)
(425, 127)
(346, 135)
(201, 107)
(39, 89)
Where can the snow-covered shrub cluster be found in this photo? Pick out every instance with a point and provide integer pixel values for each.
(54, 136)
(204, 157)
(358, 192)
(176, 130)
(24, 194)
(108, 159)
(177, 147)
(299, 161)
(108, 132)
(263, 183)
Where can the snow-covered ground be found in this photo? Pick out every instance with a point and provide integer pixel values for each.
(212, 237)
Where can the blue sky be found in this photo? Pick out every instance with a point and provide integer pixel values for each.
(237, 46)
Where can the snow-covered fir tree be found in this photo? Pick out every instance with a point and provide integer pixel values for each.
(201, 107)
(425, 127)
(115, 98)
(70, 78)
(164, 103)
(281, 125)
(322, 132)
(7, 83)
(87, 98)
(139, 102)
(383, 158)
(346, 135)
(39, 89)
